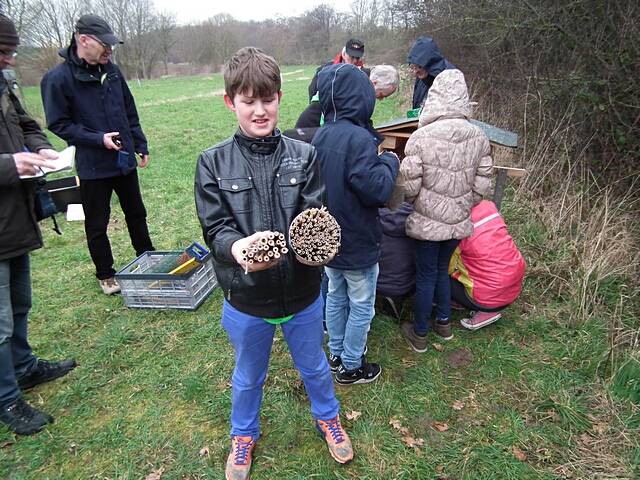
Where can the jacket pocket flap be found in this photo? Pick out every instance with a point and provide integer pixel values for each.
(290, 179)
(235, 184)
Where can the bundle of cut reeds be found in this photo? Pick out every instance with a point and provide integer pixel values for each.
(314, 235)
(266, 247)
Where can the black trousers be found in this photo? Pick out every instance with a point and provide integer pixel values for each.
(461, 297)
(96, 202)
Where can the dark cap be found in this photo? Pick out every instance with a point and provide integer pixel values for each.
(8, 33)
(354, 48)
(96, 26)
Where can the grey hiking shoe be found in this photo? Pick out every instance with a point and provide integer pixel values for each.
(417, 342)
(443, 330)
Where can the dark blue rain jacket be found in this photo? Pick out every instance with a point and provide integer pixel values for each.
(425, 53)
(83, 102)
(358, 180)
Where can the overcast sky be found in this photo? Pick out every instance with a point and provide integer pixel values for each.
(187, 11)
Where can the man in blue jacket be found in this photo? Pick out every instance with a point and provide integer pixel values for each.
(87, 103)
(427, 63)
(358, 181)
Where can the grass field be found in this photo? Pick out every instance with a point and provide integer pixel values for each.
(518, 400)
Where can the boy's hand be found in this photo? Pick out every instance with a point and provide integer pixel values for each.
(240, 246)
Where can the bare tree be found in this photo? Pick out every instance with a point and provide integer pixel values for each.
(166, 26)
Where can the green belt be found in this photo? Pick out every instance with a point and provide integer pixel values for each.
(278, 321)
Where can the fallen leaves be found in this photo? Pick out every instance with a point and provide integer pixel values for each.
(204, 452)
(73, 449)
(412, 442)
(395, 423)
(155, 475)
(441, 426)
(439, 347)
(353, 415)
(519, 454)
(407, 437)
(457, 405)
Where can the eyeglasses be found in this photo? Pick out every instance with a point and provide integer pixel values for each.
(106, 46)
(8, 53)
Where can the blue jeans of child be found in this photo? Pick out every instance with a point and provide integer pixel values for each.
(16, 357)
(350, 309)
(252, 338)
(432, 282)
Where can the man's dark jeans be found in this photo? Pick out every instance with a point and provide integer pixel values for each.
(432, 281)
(96, 202)
(16, 357)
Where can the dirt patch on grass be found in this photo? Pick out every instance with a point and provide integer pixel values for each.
(459, 358)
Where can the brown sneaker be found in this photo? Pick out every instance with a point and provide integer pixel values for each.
(415, 341)
(239, 459)
(337, 439)
(443, 330)
(109, 286)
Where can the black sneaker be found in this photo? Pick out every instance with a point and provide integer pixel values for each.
(334, 362)
(23, 419)
(45, 371)
(367, 373)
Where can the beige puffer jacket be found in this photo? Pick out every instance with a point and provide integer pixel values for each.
(447, 166)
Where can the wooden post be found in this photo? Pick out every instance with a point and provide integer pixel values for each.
(498, 192)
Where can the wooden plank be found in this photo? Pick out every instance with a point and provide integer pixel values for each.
(397, 134)
(496, 135)
(389, 143)
(512, 172)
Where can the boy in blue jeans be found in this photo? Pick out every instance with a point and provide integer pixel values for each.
(358, 182)
(258, 181)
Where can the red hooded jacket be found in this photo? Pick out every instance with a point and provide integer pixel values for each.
(488, 263)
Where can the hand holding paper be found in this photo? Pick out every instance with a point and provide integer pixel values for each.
(34, 165)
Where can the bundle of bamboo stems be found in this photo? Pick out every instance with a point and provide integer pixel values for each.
(314, 235)
(266, 247)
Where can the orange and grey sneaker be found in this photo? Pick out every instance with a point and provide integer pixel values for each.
(337, 439)
(239, 459)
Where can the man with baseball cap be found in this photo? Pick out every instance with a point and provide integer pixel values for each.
(88, 103)
(24, 150)
(352, 52)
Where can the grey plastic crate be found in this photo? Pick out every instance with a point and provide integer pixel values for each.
(162, 290)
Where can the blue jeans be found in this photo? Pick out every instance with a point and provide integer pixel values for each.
(16, 357)
(350, 309)
(252, 338)
(432, 282)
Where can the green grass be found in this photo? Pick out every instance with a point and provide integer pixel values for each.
(152, 387)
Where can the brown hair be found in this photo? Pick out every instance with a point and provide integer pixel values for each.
(251, 70)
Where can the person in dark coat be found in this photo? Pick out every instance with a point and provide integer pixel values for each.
(427, 63)
(397, 277)
(87, 103)
(24, 150)
(351, 53)
(358, 181)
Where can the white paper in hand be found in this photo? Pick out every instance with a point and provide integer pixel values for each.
(64, 162)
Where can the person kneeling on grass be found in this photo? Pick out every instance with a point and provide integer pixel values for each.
(258, 181)
(486, 269)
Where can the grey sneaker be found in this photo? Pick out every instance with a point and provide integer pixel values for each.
(443, 330)
(415, 341)
(109, 286)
